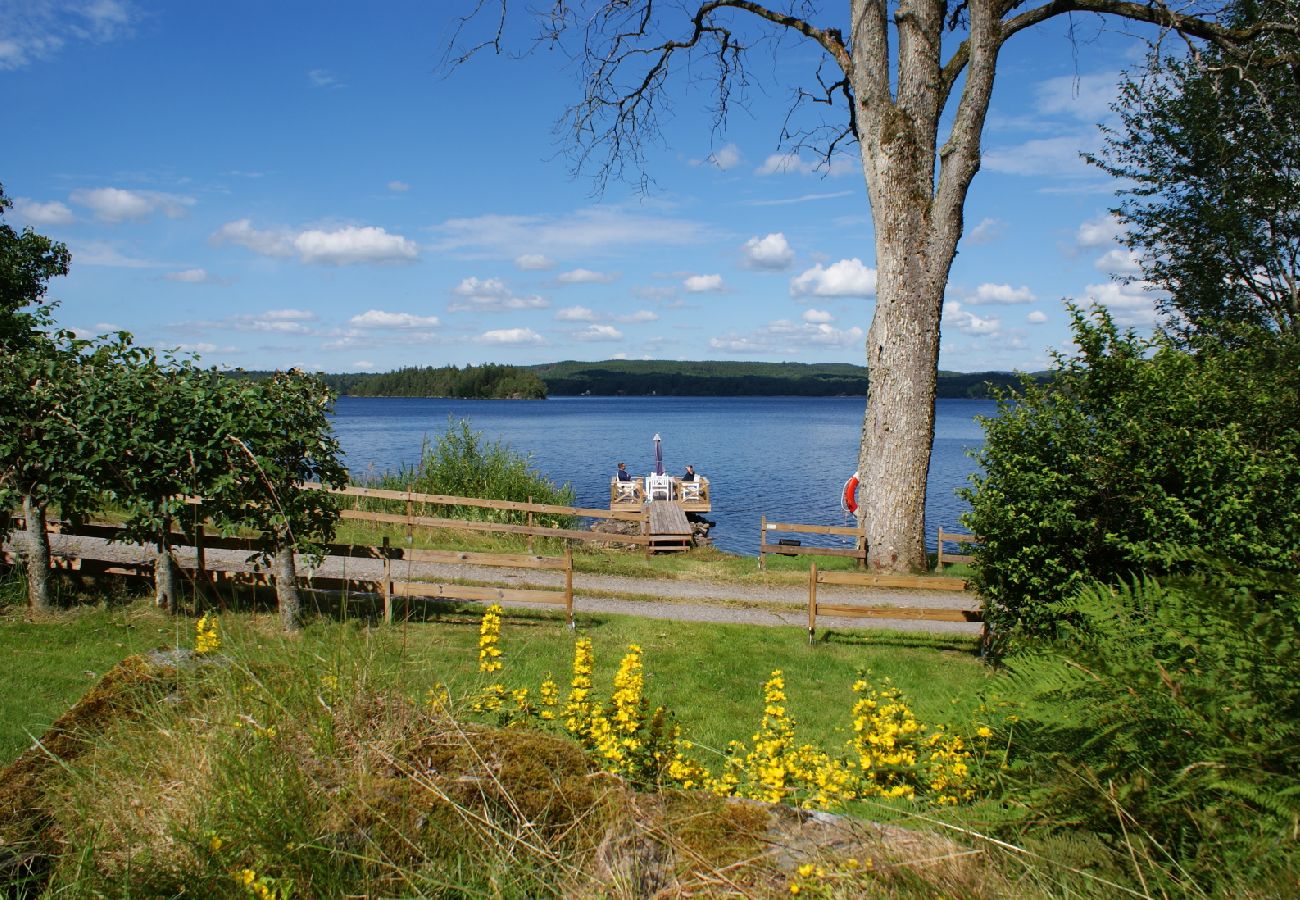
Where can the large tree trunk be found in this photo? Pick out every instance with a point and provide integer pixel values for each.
(36, 556)
(286, 587)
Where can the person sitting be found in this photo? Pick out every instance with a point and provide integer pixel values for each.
(622, 473)
(690, 474)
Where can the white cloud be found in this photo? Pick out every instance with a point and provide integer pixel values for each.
(190, 276)
(52, 213)
(533, 261)
(575, 314)
(1050, 157)
(102, 253)
(599, 333)
(986, 232)
(340, 246)
(802, 198)
(345, 246)
(1084, 97)
(1002, 293)
(784, 336)
(770, 252)
(967, 322)
(511, 336)
(699, 284)
(492, 295)
(111, 204)
(1099, 232)
(363, 365)
(378, 318)
(585, 276)
(276, 321)
(1037, 317)
(323, 78)
(817, 316)
(1119, 261)
(793, 163)
(846, 278)
(586, 231)
(398, 187)
(1131, 303)
(727, 157)
(35, 31)
(640, 317)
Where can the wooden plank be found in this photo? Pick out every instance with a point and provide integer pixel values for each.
(668, 518)
(899, 612)
(450, 500)
(454, 557)
(792, 550)
(467, 525)
(861, 579)
(485, 594)
(813, 529)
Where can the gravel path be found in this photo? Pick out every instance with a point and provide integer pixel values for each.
(671, 599)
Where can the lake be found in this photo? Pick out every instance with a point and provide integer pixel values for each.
(783, 457)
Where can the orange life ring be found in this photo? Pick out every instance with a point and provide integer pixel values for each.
(849, 496)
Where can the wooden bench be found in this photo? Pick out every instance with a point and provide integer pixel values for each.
(858, 551)
(864, 579)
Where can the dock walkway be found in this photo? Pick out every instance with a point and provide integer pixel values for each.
(668, 527)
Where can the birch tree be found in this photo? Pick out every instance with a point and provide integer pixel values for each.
(898, 73)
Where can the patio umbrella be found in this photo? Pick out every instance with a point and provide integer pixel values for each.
(659, 455)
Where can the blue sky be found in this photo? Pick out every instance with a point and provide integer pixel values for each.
(300, 184)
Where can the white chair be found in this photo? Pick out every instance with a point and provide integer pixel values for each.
(659, 487)
(690, 490)
(625, 491)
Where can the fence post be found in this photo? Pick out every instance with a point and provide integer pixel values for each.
(200, 565)
(938, 558)
(410, 515)
(388, 582)
(530, 525)
(568, 582)
(762, 541)
(812, 602)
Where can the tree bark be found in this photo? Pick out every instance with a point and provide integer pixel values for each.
(286, 588)
(165, 580)
(36, 556)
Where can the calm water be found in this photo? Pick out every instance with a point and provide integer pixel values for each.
(783, 457)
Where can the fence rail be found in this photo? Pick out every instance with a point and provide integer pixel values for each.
(858, 552)
(943, 558)
(861, 579)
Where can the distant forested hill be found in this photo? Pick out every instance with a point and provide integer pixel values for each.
(632, 377)
(487, 382)
(694, 379)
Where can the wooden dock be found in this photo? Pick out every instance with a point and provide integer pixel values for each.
(668, 527)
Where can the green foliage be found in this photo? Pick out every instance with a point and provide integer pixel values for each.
(1166, 718)
(737, 379)
(1134, 453)
(1212, 153)
(487, 382)
(27, 263)
(277, 434)
(462, 463)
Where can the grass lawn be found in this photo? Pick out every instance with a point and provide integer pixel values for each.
(709, 675)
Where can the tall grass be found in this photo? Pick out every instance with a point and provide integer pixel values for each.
(461, 462)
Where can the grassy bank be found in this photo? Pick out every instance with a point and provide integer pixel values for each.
(709, 675)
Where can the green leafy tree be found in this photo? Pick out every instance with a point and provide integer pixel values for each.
(160, 416)
(278, 435)
(1209, 143)
(27, 263)
(903, 87)
(52, 453)
(1136, 453)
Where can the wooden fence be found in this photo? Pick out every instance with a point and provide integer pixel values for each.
(946, 537)
(530, 530)
(862, 579)
(387, 586)
(794, 548)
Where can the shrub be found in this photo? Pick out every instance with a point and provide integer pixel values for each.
(1166, 718)
(1135, 452)
(461, 462)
